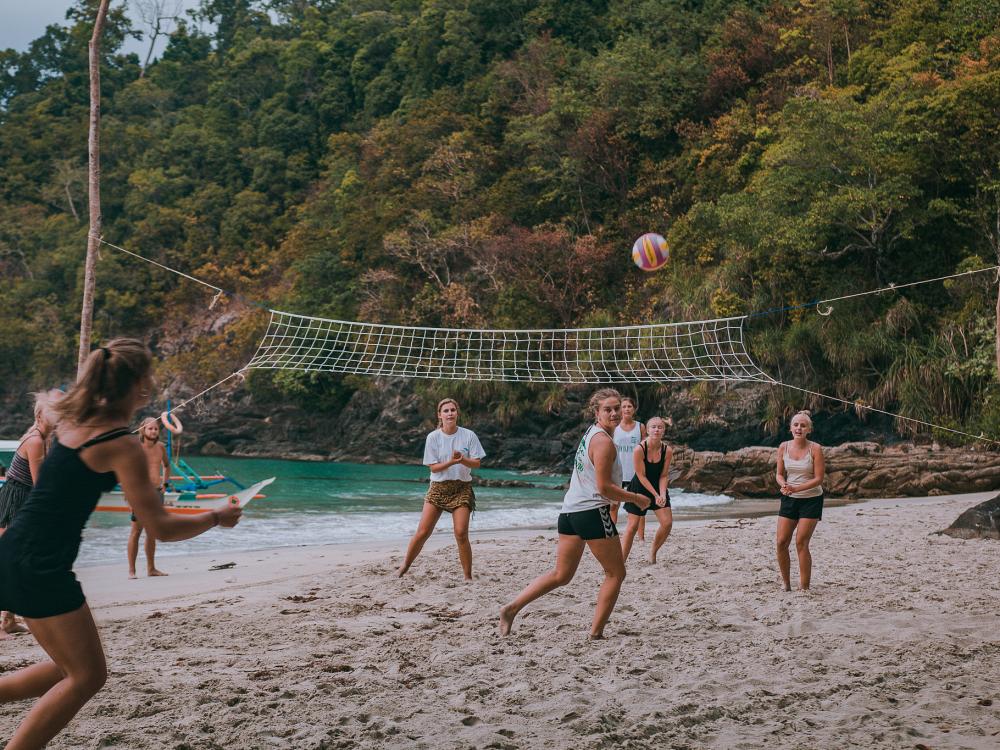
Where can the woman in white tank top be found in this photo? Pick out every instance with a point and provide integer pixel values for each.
(800, 476)
(586, 519)
(627, 436)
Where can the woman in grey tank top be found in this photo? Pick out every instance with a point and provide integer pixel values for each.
(800, 476)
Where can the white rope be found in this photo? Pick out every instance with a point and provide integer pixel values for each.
(861, 405)
(219, 291)
(897, 287)
(238, 373)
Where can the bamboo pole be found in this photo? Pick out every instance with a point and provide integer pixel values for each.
(94, 185)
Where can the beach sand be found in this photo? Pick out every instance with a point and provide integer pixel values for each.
(896, 646)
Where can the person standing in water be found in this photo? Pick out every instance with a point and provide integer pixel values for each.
(159, 474)
(22, 475)
(586, 519)
(93, 451)
(800, 472)
(628, 434)
(652, 466)
(451, 452)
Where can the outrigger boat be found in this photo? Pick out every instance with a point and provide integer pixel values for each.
(189, 493)
(187, 502)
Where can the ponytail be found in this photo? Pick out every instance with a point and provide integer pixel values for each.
(108, 376)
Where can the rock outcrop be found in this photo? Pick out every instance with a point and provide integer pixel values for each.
(852, 470)
(979, 522)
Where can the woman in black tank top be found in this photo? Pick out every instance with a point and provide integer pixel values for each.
(93, 452)
(652, 466)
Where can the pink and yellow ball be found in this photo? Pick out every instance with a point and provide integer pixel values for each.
(650, 252)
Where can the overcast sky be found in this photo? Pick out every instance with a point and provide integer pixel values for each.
(23, 21)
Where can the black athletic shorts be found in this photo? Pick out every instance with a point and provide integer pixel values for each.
(801, 507)
(595, 523)
(635, 510)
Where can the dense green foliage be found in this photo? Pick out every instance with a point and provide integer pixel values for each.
(489, 162)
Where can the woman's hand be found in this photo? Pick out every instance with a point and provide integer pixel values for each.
(661, 501)
(456, 457)
(229, 516)
(788, 489)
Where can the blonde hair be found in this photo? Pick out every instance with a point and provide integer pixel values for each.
(804, 413)
(106, 381)
(441, 404)
(142, 427)
(598, 396)
(653, 419)
(45, 402)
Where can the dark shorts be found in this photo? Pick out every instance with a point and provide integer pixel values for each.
(595, 523)
(635, 510)
(801, 507)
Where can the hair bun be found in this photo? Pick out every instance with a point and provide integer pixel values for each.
(806, 412)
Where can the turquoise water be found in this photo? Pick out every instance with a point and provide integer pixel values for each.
(330, 503)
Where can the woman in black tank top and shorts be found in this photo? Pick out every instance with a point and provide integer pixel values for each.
(94, 450)
(652, 467)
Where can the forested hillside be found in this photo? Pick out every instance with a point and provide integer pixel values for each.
(488, 163)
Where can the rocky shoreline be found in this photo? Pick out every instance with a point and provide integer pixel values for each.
(387, 424)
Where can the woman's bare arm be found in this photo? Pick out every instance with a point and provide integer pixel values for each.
(604, 454)
(129, 465)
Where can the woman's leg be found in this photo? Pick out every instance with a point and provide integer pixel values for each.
(642, 528)
(666, 518)
(802, 536)
(568, 555)
(133, 547)
(75, 674)
(460, 520)
(609, 554)
(629, 537)
(428, 520)
(786, 527)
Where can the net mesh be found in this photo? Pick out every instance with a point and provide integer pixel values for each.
(690, 351)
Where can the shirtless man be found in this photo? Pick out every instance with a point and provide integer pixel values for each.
(159, 473)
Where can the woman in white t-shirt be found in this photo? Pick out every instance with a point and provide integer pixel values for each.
(451, 452)
(586, 519)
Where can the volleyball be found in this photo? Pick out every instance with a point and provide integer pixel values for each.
(650, 252)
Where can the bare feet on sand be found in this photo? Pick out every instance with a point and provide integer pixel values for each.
(131, 574)
(507, 616)
(155, 572)
(11, 626)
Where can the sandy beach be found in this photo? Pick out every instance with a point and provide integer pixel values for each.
(896, 646)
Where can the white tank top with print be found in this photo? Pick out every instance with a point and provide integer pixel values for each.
(582, 493)
(625, 442)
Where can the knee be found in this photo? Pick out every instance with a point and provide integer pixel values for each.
(90, 683)
(615, 573)
(801, 545)
(423, 534)
(561, 577)
(782, 543)
(462, 537)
